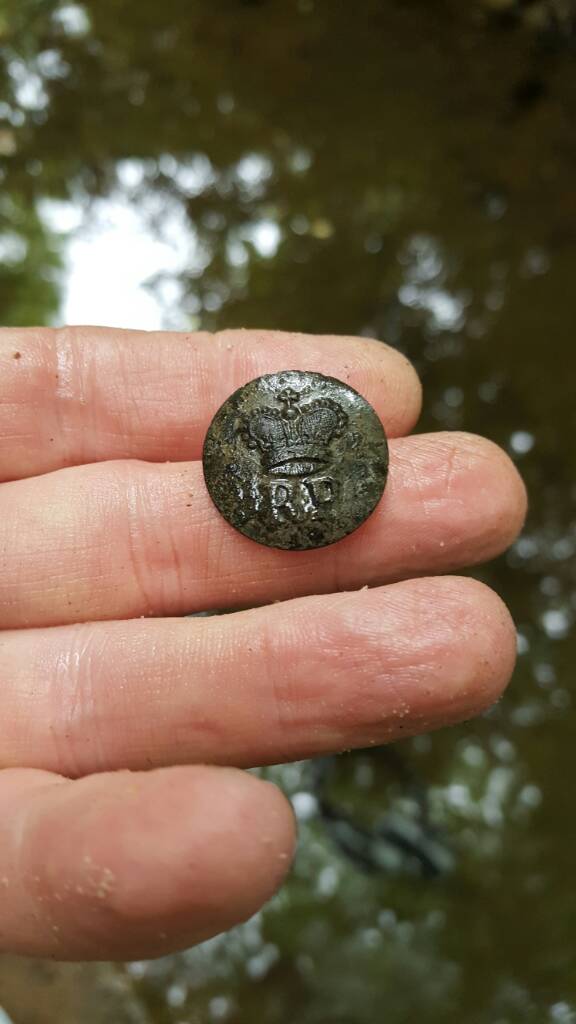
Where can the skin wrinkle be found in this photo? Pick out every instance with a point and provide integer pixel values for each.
(214, 544)
(419, 485)
(68, 381)
(68, 392)
(154, 663)
(102, 547)
(89, 393)
(179, 555)
(282, 693)
(451, 469)
(300, 703)
(181, 662)
(65, 699)
(74, 706)
(177, 574)
(149, 400)
(340, 564)
(22, 874)
(217, 650)
(134, 506)
(124, 386)
(367, 667)
(59, 388)
(406, 663)
(158, 534)
(359, 653)
(124, 376)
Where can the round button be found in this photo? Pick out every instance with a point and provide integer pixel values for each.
(295, 460)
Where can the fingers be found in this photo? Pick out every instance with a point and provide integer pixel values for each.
(273, 684)
(128, 539)
(126, 866)
(88, 394)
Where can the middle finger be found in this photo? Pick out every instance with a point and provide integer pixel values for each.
(126, 539)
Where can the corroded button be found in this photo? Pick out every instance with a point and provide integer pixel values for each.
(295, 460)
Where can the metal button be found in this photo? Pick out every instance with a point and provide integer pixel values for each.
(295, 460)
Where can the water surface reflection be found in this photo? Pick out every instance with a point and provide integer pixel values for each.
(400, 170)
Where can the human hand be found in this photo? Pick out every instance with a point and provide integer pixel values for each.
(108, 535)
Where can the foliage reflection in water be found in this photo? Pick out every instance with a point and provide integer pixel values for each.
(406, 171)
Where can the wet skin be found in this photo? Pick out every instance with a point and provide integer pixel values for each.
(109, 538)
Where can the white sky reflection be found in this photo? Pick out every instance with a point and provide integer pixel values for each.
(110, 255)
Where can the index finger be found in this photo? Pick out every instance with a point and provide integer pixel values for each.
(87, 394)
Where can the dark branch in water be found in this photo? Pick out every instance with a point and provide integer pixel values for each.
(397, 843)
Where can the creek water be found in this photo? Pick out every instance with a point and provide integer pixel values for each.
(404, 170)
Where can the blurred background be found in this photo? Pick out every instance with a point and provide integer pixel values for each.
(404, 169)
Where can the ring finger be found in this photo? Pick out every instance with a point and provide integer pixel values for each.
(125, 539)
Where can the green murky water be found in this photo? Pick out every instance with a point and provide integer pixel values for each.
(405, 170)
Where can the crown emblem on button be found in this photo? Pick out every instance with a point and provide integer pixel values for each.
(294, 440)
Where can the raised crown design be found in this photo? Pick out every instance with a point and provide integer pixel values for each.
(296, 439)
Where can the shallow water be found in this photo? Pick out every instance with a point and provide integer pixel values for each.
(404, 170)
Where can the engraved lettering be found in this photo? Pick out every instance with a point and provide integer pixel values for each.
(322, 491)
(246, 491)
(281, 500)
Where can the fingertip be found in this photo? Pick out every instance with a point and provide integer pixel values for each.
(218, 844)
(411, 391)
(501, 492)
(473, 494)
(135, 865)
(506, 488)
(416, 655)
(489, 651)
(473, 641)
